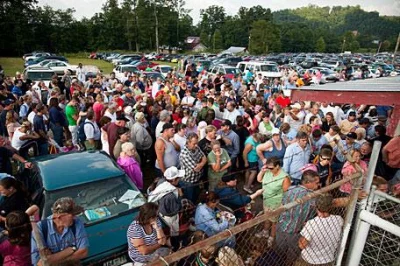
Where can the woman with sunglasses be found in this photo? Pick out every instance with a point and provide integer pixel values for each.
(275, 181)
(323, 164)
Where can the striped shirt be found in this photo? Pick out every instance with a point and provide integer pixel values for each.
(291, 221)
(136, 231)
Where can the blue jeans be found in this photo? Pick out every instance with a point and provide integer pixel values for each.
(43, 148)
(58, 133)
(191, 191)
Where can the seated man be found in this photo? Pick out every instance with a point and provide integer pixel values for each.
(231, 197)
(63, 235)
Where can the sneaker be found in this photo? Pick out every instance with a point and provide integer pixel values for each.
(263, 234)
(248, 190)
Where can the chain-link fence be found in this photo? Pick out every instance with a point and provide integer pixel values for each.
(382, 247)
(307, 230)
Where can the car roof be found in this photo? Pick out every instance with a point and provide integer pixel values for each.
(72, 169)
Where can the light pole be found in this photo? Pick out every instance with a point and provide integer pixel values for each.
(248, 48)
(344, 42)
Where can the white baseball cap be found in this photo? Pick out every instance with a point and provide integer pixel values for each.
(173, 172)
(275, 131)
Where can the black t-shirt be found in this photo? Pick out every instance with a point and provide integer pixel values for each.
(323, 172)
(3, 128)
(15, 202)
(205, 146)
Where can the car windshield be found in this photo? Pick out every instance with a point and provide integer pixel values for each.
(39, 75)
(154, 75)
(269, 68)
(232, 70)
(165, 69)
(100, 199)
(130, 69)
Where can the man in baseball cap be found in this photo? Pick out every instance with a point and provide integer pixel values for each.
(168, 195)
(71, 244)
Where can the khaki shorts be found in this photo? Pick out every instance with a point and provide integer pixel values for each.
(272, 219)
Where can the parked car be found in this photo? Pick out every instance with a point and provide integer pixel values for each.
(112, 56)
(143, 65)
(40, 59)
(328, 75)
(231, 61)
(91, 71)
(96, 184)
(265, 69)
(36, 55)
(42, 64)
(124, 56)
(227, 71)
(154, 75)
(121, 69)
(39, 74)
(59, 67)
(163, 69)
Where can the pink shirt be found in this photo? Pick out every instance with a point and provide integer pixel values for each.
(15, 255)
(347, 170)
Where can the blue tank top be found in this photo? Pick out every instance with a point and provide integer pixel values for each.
(275, 152)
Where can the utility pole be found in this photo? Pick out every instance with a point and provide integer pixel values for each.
(395, 49)
(128, 34)
(156, 17)
(379, 47)
(344, 42)
(136, 4)
(248, 48)
(214, 43)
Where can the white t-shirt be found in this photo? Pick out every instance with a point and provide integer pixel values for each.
(180, 140)
(295, 124)
(155, 89)
(16, 143)
(159, 128)
(113, 116)
(188, 100)
(309, 115)
(323, 236)
(231, 115)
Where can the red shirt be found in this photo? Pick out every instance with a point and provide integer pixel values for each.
(98, 109)
(283, 101)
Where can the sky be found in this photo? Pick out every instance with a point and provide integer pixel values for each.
(87, 8)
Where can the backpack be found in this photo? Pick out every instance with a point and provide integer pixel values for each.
(45, 230)
(81, 131)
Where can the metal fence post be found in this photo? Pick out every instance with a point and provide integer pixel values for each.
(348, 219)
(39, 242)
(362, 204)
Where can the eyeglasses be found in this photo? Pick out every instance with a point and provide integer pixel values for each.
(325, 159)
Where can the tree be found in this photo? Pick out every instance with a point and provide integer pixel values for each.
(264, 37)
(320, 45)
(217, 40)
(204, 38)
(212, 18)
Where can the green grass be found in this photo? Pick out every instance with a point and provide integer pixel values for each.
(14, 64)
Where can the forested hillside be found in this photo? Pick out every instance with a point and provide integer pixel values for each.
(141, 25)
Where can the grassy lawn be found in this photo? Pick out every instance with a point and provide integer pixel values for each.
(14, 64)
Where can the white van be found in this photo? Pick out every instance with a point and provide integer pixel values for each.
(269, 70)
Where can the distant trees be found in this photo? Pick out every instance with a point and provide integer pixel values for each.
(141, 24)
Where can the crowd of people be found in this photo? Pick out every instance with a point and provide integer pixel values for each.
(210, 143)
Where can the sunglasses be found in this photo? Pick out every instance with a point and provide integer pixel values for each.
(325, 159)
(271, 168)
